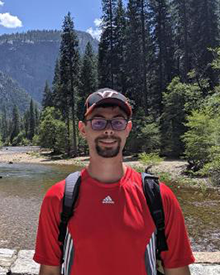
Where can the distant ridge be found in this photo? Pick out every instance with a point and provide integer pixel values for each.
(11, 94)
(29, 58)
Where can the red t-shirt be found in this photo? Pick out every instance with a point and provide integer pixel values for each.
(111, 229)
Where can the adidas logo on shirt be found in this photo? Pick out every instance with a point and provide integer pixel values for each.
(108, 200)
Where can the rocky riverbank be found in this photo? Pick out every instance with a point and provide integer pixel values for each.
(39, 156)
(21, 263)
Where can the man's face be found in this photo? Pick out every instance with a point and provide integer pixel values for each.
(107, 143)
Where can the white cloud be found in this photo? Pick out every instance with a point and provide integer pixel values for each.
(1, 3)
(96, 33)
(98, 22)
(10, 21)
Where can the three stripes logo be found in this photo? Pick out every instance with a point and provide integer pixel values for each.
(108, 200)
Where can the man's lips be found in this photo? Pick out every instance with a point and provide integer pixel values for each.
(108, 141)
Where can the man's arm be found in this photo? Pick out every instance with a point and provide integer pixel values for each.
(49, 270)
(177, 271)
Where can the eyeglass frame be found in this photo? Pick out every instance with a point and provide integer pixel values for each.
(108, 121)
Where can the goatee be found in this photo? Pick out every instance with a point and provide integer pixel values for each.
(108, 152)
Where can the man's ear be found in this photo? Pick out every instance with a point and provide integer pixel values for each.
(129, 127)
(81, 127)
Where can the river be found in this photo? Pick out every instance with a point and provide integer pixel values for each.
(22, 187)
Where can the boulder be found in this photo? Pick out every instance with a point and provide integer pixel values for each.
(25, 264)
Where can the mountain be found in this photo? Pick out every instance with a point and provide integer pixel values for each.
(11, 94)
(29, 58)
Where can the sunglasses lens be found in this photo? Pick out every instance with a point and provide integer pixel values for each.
(119, 124)
(99, 124)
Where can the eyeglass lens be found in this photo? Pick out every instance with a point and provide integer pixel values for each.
(116, 124)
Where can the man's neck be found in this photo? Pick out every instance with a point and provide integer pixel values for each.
(106, 170)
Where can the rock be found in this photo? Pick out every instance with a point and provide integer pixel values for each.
(25, 263)
(201, 269)
(10, 162)
(207, 257)
(3, 271)
(7, 257)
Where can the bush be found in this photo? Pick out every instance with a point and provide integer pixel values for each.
(151, 159)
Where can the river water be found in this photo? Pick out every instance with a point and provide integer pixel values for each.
(22, 187)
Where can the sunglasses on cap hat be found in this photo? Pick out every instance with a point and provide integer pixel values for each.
(107, 96)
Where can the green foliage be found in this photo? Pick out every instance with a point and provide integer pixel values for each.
(197, 138)
(151, 159)
(52, 131)
(202, 140)
(179, 100)
(145, 135)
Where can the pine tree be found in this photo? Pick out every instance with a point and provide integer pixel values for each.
(119, 48)
(204, 34)
(47, 96)
(4, 125)
(160, 19)
(88, 78)
(106, 45)
(15, 125)
(69, 74)
(137, 53)
(32, 121)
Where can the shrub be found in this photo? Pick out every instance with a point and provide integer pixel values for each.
(151, 159)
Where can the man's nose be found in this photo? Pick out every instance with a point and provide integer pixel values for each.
(108, 129)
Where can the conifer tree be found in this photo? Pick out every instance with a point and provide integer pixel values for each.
(32, 121)
(160, 19)
(15, 125)
(204, 34)
(4, 125)
(137, 53)
(47, 96)
(88, 78)
(119, 48)
(106, 45)
(69, 74)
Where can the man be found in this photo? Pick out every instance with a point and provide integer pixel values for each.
(112, 227)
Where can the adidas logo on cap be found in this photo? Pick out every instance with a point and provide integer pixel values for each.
(108, 200)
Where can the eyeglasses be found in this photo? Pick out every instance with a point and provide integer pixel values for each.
(117, 124)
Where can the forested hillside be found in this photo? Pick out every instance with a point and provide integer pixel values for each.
(12, 94)
(30, 57)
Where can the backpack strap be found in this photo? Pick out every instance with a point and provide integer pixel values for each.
(152, 193)
(71, 192)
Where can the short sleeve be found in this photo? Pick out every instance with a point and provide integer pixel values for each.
(47, 251)
(179, 252)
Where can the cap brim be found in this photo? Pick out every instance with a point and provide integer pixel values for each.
(123, 105)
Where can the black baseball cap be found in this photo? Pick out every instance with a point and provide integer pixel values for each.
(105, 96)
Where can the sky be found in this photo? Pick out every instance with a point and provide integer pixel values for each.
(23, 15)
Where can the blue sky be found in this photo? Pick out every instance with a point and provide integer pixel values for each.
(24, 15)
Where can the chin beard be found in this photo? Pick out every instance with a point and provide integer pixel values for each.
(108, 152)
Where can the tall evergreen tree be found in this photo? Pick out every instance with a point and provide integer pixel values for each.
(4, 125)
(119, 48)
(137, 52)
(32, 121)
(47, 96)
(88, 78)
(204, 34)
(15, 123)
(160, 19)
(69, 77)
(107, 44)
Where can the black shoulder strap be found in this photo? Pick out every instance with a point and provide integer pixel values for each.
(152, 193)
(71, 192)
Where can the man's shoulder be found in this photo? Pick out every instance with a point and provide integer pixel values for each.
(56, 190)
